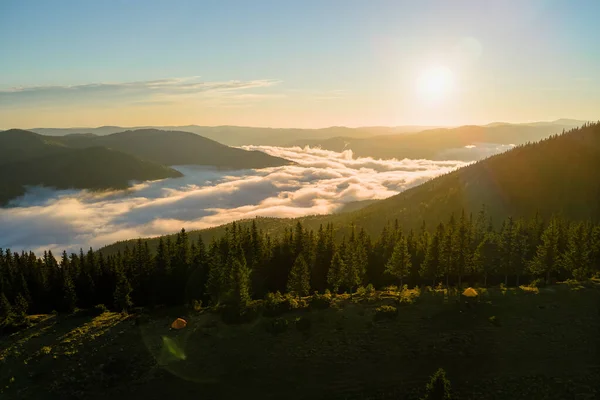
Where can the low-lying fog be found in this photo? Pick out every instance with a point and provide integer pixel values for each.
(320, 182)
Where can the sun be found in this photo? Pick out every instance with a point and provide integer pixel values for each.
(435, 84)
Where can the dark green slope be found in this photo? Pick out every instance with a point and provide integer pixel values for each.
(178, 148)
(18, 145)
(28, 159)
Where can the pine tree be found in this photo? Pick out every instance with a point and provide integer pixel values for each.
(69, 297)
(122, 293)
(576, 258)
(547, 256)
(438, 387)
(463, 246)
(21, 306)
(521, 243)
(239, 292)
(299, 278)
(336, 272)
(196, 284)
(323, 255)
(399, 264)
(215, 285)
(449, 250)
(507, 248)
(594, 245)
(5, 307)
(486, 256)
(431, 266)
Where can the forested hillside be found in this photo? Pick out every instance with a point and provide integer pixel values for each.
(27, 158)
(177, 148)
(247, 263)
(558, 175)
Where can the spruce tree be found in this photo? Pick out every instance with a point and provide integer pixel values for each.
(399, 264)
(576, 259)
(336, 272)
(323, 256)
(21, 306)
(239, 291)
(5, 307)
(547, 256)
(463, 246)
(438, 387)
(299, 278)
(449, 250)
(69, 296)
(507, 241)
(122, 295)
(486, 256)
(431, 266)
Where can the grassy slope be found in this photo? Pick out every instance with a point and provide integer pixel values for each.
(545, 345)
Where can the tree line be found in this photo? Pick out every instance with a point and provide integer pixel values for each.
(246, 263)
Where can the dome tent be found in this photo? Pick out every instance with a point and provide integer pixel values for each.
(470, 292)
(179, 323)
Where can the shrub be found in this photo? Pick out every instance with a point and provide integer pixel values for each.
(303, 324)
(276, 304)
(277, 325)
(385, 312)
(361, 291)
(494, 320)
(438, 387)
(14, 323)
(580, 274)
(100, 309)
(537, 283)
(320, 301)
(370, 289)
(196, 305)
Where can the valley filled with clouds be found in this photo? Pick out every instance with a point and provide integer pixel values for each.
(319, 182)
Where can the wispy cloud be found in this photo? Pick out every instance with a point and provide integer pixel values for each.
(161, 90)
(320, 182)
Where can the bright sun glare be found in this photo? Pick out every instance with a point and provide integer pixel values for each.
(435, 84)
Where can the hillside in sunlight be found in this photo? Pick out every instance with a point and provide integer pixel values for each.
(558, 175)
(440, 144)
(177, 148)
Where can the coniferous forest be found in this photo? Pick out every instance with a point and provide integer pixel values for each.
(246, 264)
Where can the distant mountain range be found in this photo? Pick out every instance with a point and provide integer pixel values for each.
(241, 135)
(558, 175)
(87, 161)
(466, 143)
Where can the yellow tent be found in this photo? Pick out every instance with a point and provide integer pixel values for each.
(470, 292)
(179, 323)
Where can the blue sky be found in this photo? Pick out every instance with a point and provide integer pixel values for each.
(296, 63)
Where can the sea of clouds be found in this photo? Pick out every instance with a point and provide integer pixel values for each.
(319, 182)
